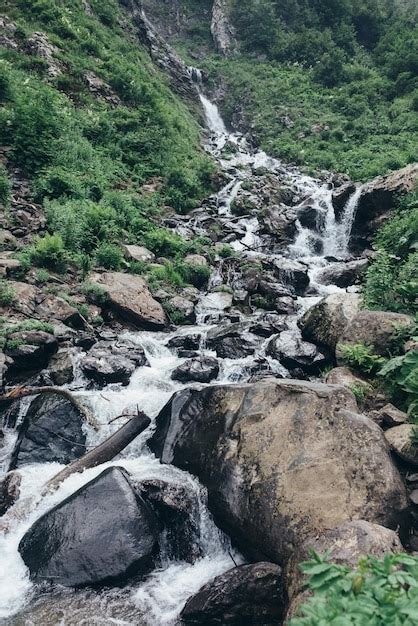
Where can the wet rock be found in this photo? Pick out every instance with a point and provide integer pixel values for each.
(228, 341)
(269, 324)
(292, 273)
(344, 274)
(376, 329)
(65, 545)
(9, 490)
(30, 350)
(61, 368)
(311, 216)
(129, 296)
(282, 460)
(185, 342)
(325, 322)
(177, 507)
(52, 307)
(286, 305)
(402, 441)
(294, 353)
(248, 594)
(217, 301)
(346, 545)
(184, 307)
(113, 362)
(138, 253)
(340, 197)
(52, 431)
(201, 370)
(280, 222)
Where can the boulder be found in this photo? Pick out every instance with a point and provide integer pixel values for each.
(402, 441)
(376, 329)
(324, 323)
(292, 273)
(113, 362)
(340, 197)
(216, 302)
(294, 353)
(185, 342)
(9, 491)
(52, 431)
(390, 416)
(283, 460)
(30, 350)
(25, 295)
(345, 545)
(196, 259)
(102, 533)
(280, 222)
(61, 368)
(311, 216)
(130, 297)
(138, 253)
(344, 274)
(52, 307)
(228, 341)
(184, 307)
(344, 377)
(201, 370)
(8, 266)
(248, 594)
(268, 324)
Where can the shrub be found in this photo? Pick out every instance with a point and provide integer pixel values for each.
(361, 358)
(174, 315)
(109, 256)
(7, 293)
(226, 251)
(95, 293)
(361, 393)
(378, 592)
(49, 252)
(42, 276)
(4, 186)
(400, 376)
(196, 275)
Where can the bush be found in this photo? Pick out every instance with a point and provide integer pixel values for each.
(109, 256)
(196, 275)
(49, 252)
(7, 293)
(361, 358)
(378, 592)
(95, 293)
(400, 376)
(4, 186)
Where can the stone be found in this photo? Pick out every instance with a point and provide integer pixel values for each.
(31, 350)
(196, 259)
(280, 222)
(324, 323)
(390, 416)
(8, 265)
(344, 274)
(311, 216)
(376, 329)
(222, 29)
(282, 460)
(340, 197)
(130, 297)
(9, 490)
(61, 368)
(52, 431)
(52, 307)
(293, 353)
(184, 307)
(101, 534)
(401, 440)
(201, 370)
(7, 240)
(228, 341)
(248, 594)
(292, 273)
(113, 362)
(217, 301)
(25, 298)
(344, 377)
(185, 342)
(138, 253)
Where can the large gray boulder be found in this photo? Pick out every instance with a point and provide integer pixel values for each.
(248, 594)
(130, 297)
(324, 323)
(52, 431)
(102, 533)
(282, 460)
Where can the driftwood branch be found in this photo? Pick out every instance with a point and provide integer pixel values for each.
(104, 452)
(23, 392)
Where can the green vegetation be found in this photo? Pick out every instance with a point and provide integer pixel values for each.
(4, 186)
(95, 293)
(392, 279)
(378, 592)
(89, 155)
(7, 293)
(400, 376)
(361, 358)
(7, 329)
(361, 391)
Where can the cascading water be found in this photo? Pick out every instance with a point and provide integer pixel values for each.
(160, 597)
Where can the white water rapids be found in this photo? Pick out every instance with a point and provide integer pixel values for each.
(159, 598)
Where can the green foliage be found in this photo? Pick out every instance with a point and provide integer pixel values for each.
(7, 293)
(174, 315)
(196, 275)
(42, 276)
(95, 293)
(48, 252)
(400, 376)
(109, 256)
(361, 391)
(378, 592)
(361, 358)
(225, 251)
(392, 279)
(7, 329)
(4, 186)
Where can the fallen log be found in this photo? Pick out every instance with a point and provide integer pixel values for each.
(104, 452)
(23, 392)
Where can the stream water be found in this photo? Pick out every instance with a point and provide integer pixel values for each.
(159, 599)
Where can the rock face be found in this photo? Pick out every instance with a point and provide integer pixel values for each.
(248, 594)
(102, 533)
(294, 353)
(401, 439)
(344, 274)
(324, 323)
(109, 362)
(129, 296)
(223, 33)
(282, 460)
(51, 431)
(201, 370)
(376, 329)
